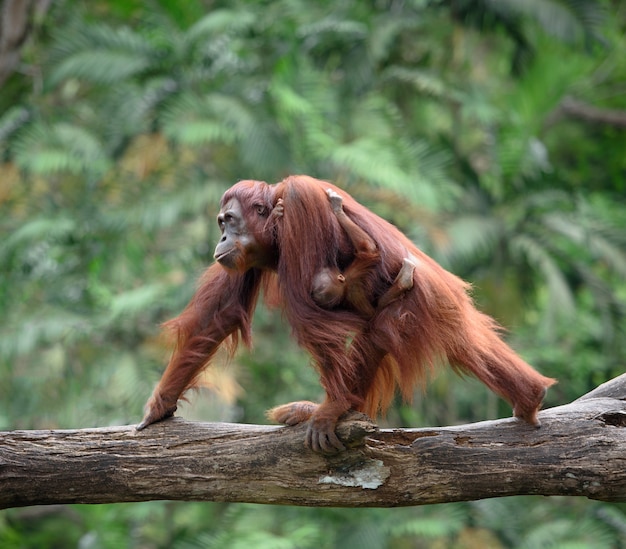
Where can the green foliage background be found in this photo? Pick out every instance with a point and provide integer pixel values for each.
(126, 120)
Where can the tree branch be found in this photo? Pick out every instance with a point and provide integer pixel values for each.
(571, 108)
(580, 450)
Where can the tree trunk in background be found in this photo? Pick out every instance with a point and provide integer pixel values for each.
(16, 23)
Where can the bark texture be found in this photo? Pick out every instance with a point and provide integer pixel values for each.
(580, 450)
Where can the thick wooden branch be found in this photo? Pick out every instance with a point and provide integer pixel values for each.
(580, 450)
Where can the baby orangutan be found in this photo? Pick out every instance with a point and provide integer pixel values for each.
(332, 288)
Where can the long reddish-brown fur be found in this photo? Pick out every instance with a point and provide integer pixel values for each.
(434, 321)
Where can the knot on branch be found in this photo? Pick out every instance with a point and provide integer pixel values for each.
(616, 418)
(354, 427)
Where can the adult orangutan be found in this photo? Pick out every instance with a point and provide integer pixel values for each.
(361, 355)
